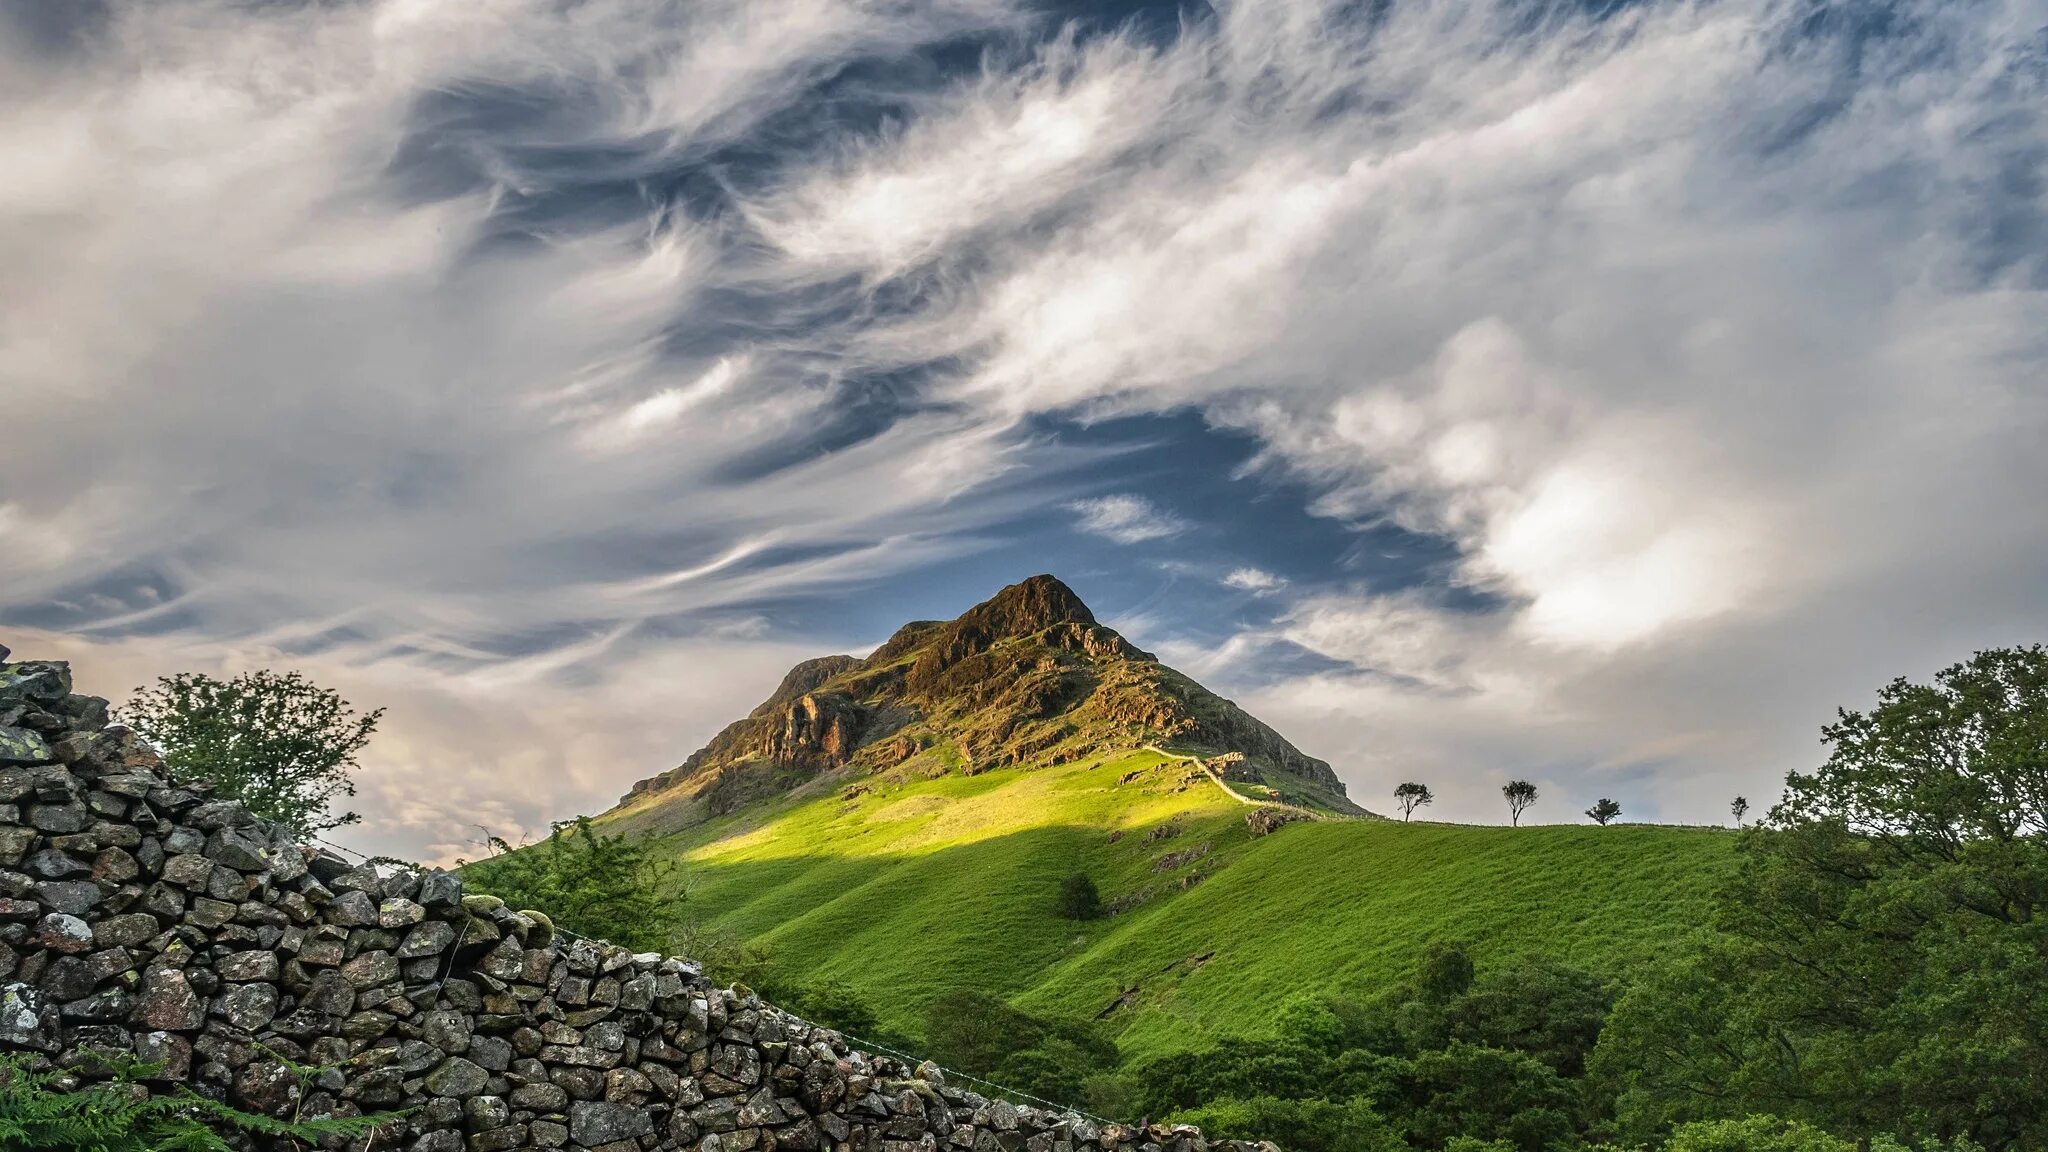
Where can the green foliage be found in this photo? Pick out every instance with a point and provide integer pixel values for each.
(831, 1003)
(1410, 796)
(1603, 811)
(979, 1034)
(1519, 794)
(1452, 1053)
(612, 888)
(1350, 1126)
(1078, 898)
(1754, 1134)
(275, 741)
(49, 1111)
(1446, 970)
(1884, 944)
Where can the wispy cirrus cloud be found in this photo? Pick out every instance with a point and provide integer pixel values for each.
(1253, 580)
(1125, 518)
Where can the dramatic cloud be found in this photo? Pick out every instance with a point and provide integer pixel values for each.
(607, 351)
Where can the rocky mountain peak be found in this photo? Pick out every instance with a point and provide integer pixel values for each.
(1029, 606)
(1026, 677)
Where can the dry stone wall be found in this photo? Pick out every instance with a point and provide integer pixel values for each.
(140, 917)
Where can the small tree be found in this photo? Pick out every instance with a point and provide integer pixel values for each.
(1740, 808)
(274, 741)
(1520, 794)
(1604, 811)
(1411, 796)
(611, 887)
(1078, 898)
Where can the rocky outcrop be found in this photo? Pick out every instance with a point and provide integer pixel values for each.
(142, 918)
(1027, 676)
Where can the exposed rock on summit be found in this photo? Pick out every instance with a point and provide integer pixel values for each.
(1028, 676)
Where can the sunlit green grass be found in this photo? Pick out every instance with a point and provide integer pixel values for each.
(915, 888)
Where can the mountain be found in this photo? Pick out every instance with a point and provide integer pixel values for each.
(901, 826)
(1027, 677)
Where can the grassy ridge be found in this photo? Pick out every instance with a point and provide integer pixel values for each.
(908, 889)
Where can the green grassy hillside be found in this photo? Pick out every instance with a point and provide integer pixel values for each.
(903, 889)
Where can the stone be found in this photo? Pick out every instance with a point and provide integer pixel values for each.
(456, 1077)
(50, 864)
(126, 930)
(440, 890)
(429, 939)
(243, 967)
(353, 909)
(540, 1098)
(240, 850)
(448, 1031)
(21, 746)
(62, 932)
(493, 1053)
(76, 897)
(399, 913)
(167, 1002)
(57, 819)
(170, 1052)
(593, 1123)
(760, 1110)
(207, 912)
(189, 871)
(26, 1021)
(249, 1006)
(370, 969)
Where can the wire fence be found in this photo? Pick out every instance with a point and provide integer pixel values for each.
(951, 1074)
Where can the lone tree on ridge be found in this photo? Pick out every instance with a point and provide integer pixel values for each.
(1602, 812)
(1411, 796)
(1740, 808)
(1520, 795)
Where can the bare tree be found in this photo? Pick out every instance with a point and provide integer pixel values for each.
(1740, 808)
(1411, 796)
(1520, 795)
(1604, 811)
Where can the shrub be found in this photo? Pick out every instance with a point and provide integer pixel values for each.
(1078, 898)
(608, 887)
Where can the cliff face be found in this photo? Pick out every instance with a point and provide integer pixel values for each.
(1027, 676)
(141, 918)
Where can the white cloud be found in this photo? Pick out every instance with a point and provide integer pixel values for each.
(1253, 580)
(1126, 518)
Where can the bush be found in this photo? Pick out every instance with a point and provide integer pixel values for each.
(608, 887)
(1078, 898)
(1297, 1125)
(1754, 1134)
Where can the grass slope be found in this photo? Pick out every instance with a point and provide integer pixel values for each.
(910, 888)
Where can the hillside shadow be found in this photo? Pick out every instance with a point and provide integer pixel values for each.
(1339, 907)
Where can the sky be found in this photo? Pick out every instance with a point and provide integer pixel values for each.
(1595, 393)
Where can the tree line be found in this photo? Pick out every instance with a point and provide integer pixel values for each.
(1521, 795)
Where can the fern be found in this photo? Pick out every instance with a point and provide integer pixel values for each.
(39, 1114)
